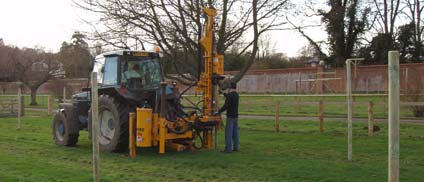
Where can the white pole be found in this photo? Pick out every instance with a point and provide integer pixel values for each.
(394, 100)
(349, 108)
(349, 104)
(95, 126)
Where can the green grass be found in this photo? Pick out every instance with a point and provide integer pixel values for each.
(298, 153)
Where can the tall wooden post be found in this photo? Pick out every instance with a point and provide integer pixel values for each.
(95, 125)
(349, 108)
(370, 118)
(394, 100)
(321, 116)
(277, 116)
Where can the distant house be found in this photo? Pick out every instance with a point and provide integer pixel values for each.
(57, 72)
(1, 42)
(312, 63)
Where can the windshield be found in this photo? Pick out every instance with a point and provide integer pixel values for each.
(141, 72)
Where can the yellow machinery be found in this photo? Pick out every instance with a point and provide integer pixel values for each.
(150, 129)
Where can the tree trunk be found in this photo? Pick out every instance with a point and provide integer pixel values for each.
(252, 56)
(33, 96)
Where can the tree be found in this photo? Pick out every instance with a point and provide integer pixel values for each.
(75, 56)
(344, 22)
(6, 63)
(416, 8)
(376, 51)
(387, 13)
(406, 43)
(175, 26)
(35, 67)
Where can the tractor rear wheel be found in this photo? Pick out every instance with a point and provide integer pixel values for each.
(65, 129)
(113, 124)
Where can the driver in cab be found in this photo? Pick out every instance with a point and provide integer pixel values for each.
(134, 72)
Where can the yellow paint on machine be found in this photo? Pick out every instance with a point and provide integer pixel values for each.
(141, 54)
(144, 127)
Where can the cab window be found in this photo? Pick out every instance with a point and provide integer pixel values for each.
(141, 72)
(110, 72)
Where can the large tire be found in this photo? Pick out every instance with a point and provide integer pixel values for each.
(65, 127)
(113, 124)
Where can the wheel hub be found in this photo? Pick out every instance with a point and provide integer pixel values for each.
(60, 131)
(107, 127)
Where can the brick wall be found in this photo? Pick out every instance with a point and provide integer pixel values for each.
(293, 80)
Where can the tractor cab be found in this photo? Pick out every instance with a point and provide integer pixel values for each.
(134, 75)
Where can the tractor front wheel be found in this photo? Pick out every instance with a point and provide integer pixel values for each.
(65, 131)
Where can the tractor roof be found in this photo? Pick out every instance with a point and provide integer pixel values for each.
(125, 52)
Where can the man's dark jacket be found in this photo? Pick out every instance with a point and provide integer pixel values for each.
(231, 105)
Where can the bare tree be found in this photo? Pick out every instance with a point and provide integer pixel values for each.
(415, 14)
(35, 67)
(176, 25)
(6, 53)
(387, 13)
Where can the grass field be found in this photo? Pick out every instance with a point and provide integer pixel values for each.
(298, 153)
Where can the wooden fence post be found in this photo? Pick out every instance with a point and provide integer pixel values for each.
(394, 101)
(19, 106)
(370, 118)
(132, 135)
(321, 116)
(95, 126)
(277, 116)
(49, 105)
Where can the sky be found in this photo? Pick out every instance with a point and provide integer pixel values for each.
(47, 23)
(42, 23)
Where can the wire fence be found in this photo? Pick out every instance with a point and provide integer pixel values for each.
(309, 105)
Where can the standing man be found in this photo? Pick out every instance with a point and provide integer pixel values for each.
(231, 127)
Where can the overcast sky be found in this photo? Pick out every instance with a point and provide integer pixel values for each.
(47, 23)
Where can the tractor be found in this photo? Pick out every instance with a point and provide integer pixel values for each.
(137, 107)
